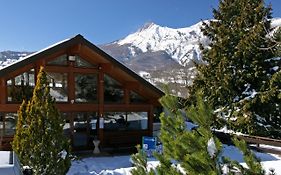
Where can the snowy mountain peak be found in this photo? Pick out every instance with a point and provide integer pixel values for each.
(147, 26)
(181, 44)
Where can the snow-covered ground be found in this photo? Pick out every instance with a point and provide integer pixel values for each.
(121, 165)
(9, 164)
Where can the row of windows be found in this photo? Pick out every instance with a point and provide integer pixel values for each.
(86, 91)
(86, 122)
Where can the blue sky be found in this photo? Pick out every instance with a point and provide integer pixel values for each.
(31, 25)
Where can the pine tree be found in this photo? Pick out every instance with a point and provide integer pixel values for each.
(188, 148)
(253, 163)
(20, 137)
(196, 151)
(140, 161)
(39, 139)
(236, 78)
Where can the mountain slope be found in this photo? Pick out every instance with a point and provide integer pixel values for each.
(8, 57)
(161, 54)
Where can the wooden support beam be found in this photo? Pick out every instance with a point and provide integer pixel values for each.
(76, 107)
(3, 93)
(127, 96)
(260, 140)
(124, 107)
(58, 69)
(71, 85)
(9, 107)
(101, 105)
(150, 120)
(19, 71)
(65, 69)
(131, 85)
(106, 67)
(154, 101)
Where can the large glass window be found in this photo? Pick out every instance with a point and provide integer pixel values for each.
(136, 98)
(126, 121)
(79, 62)
(60, 61)
(58, 86)
(10, 123)
(156, 113)
(137, 120)
(113, 90)
(115, 121)
(86, 88)
(21, 87)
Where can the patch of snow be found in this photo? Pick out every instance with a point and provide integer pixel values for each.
(228, 131)
(63, 154)
(190, 125)
(275, 68)
(6, 63)
(101, 165)
(270, 147)
(57, 95)
(4, 157)
(275, 22)
(211, 147)
(268, 161)
(273, 59)
(251, 93)
(144, 74)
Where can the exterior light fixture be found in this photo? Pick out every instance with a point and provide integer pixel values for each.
(71, 58)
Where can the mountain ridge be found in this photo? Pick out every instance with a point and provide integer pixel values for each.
(181, 44)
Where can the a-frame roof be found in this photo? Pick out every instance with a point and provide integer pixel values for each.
(78, 39)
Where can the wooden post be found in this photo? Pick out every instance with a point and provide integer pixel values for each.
(127, 97)
(3, 93)
(2, 130)
(71, 84)
(101, 103)
(150, 120)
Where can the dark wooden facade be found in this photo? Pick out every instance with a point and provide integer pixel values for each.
(99, 97)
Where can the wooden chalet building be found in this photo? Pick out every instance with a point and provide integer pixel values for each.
(98, 97)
